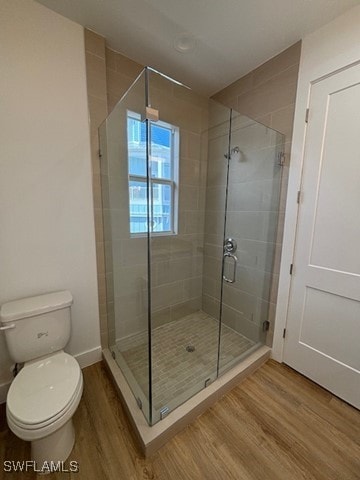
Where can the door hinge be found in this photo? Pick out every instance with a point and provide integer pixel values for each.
(281, 159)
(266, 326)
(298, 198)
(99, 154)
(284, 333)
(307, 116)
(291, 268)
(163, 412)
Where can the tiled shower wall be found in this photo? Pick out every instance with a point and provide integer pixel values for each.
(267, 94)
(97, 102)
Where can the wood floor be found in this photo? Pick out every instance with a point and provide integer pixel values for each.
(276, 425)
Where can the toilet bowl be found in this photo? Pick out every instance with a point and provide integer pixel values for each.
(41, 402)
(46, 392)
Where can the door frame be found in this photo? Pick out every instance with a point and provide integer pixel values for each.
(330, 49)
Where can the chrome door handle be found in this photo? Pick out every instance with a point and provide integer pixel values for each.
(234, 257)
(8, 327)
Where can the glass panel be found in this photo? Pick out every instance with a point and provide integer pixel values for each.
(136, 144)
(138, 206)
(162, 208)
(123, 141)
(161, 150)
(252, 210)
(184, 337)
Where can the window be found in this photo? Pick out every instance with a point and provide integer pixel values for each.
(164, 159)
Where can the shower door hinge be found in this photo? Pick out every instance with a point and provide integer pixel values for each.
(266, 326)
(284, 333)
(281, 159)
(139, 402)
(298, 198)
(291, 268)
(99, 154)
(307, 116)
(163, 412)
(152, 114)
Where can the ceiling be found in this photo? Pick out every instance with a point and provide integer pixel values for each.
(231, 37)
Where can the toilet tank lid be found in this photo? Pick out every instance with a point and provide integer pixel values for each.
(31, 306)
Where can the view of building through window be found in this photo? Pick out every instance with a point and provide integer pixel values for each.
(163, 168)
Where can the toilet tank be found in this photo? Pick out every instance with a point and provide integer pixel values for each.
(36, 326)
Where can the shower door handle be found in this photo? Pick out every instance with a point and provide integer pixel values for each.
(234, 258)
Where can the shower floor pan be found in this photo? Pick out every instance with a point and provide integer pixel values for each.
(185, 353)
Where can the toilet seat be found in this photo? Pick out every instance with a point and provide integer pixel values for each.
(44, 396)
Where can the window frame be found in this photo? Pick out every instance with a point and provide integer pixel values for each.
(172, 182)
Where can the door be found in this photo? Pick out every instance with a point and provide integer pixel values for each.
(323, 325)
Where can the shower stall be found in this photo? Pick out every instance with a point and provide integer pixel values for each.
(191, 195)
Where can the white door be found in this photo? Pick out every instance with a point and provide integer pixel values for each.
(323, 326)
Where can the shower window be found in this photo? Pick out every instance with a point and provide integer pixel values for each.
(164, 167)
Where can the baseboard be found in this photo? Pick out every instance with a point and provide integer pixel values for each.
(89, 357)
(85, 359)
(4, 387)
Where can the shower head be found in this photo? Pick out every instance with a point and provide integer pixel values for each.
(235, 151)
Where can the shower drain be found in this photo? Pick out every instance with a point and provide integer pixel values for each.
(190, 348)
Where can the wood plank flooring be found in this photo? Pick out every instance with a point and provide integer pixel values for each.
(276, 425)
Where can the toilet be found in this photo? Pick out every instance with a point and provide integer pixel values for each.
(46, 392)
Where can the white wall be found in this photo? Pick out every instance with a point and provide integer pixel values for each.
(47, 239)
(332, 47)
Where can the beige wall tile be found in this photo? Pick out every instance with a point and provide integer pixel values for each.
(97, 102)
(278, 92)
(96, 78)
(282, 120)
(244, 84)
(182, 309)
(127, 66)
(110, 57)
(121, 73)
(272, 67)
(117, 84)
(160, 317)
(99, 225)
(100, 255)
(102, 285)
(97, 192)
(97, 112)
(94, 43)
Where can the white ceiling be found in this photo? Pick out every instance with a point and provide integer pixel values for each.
(233, 36)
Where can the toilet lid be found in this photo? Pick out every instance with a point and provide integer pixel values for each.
(43, 388)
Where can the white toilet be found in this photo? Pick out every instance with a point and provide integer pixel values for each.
(45, 394)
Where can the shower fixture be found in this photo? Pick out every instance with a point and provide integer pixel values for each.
(234, 151)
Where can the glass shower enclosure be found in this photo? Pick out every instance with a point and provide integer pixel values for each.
(191, 195)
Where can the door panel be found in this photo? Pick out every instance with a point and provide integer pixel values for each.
(250, 241)
(323, 325)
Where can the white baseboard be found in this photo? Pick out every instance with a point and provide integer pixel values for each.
(4, 387)
(85, 359)
(89, 357)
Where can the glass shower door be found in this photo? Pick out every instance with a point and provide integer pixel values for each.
(250, 238)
